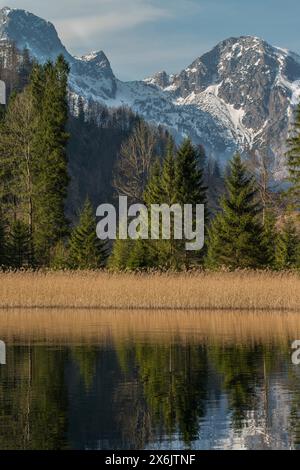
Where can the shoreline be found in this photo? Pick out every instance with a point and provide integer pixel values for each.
(107, 327)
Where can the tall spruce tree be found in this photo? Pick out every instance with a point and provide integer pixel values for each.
(49, 87)
(86, 251)
(153, 190)
(190, 189)
(236, 232)
(161, 190)
(189, 176)
(178, 181)
(293, 162)
(288, 246)
(19, 245)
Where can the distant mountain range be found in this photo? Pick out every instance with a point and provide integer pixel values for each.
(238, 96)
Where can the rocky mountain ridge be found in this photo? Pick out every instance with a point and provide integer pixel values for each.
(238, 96)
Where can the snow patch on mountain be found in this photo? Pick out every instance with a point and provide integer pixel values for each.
(241, 95)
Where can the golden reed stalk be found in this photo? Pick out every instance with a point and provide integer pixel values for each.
(242, 290)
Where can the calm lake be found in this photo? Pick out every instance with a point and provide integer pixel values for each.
(149, 380)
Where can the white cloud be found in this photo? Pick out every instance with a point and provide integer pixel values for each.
(119, 17)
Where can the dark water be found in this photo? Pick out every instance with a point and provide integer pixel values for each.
(134, 393)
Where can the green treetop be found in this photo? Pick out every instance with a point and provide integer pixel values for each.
(235, 234)
(86, 251)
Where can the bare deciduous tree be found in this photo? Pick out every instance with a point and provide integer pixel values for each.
(135, 160)
(260, 164)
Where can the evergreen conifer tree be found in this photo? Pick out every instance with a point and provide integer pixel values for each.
(49, 86)
(19, 245)
(235, 234)
(86, 250)
(178, 180)
(161, 190)
(287, 249)
(190, 189)
(153, 190)
(188, 176)
(118, 260)
(139, 255)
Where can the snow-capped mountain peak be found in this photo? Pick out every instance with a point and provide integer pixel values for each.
(29, 31)
(238, 96)
(246, 85)
(95, 56)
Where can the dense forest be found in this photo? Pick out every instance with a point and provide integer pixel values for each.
(60, 157)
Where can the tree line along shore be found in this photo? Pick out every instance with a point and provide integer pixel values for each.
(249, 224)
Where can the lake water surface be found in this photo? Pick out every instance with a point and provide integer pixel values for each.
(153, 380)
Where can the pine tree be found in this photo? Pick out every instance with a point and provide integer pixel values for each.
(19, 245)
(168, 190)
(86, 250)
(188, 176)
(139, 256)
(235, 234)
(33, 163)
(118, 260)
(287, 249)
(178, 180)
(190, 189)
(161, 190)
(153, 190)
(49, 87)
(293, 162)
(167, 253)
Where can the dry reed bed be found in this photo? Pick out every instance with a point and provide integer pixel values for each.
(110, 327)
(245, 290)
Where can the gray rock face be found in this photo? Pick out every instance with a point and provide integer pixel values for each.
(30, 31)
(239, 96)
(255, 84)
(91, 75)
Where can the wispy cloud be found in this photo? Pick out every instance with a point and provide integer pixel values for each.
(143, 36)
(119, 17)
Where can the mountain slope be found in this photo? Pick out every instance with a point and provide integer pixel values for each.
(246, 84)
(238, 96)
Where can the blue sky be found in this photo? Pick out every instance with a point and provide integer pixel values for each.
(141, 37)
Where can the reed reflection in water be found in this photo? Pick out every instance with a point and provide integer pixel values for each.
(140, 379)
